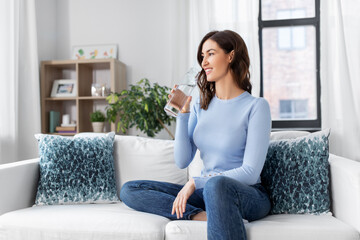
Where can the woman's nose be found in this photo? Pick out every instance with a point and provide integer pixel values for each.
(204, 62)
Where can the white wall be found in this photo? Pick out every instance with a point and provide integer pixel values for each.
(145, 31)
(46, 29)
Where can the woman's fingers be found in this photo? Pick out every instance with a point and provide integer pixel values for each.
(172, 91)
(177, 213)
(184, 206)
(179, 206)
(175, 208)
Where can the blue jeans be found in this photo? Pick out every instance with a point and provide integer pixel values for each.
(226, 202)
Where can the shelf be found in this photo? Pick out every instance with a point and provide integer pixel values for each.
(110, 72)
(60, 99)
(92, 98)
(63, 134)
(74, 98)
(75, 61)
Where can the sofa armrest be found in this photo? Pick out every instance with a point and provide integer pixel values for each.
(18, 184)
(345, 190)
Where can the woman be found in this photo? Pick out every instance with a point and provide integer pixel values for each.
(231, 129)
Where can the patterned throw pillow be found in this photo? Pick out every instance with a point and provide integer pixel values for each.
(296, 174)
(79, 170)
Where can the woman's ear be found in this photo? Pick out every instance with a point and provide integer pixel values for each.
(231, 56)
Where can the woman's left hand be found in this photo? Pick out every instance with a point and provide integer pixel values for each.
(179, 204)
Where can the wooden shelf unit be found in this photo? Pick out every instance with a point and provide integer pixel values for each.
(85, 73)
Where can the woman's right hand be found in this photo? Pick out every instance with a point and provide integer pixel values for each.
(186, 107)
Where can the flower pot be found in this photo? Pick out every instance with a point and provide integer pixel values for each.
(98, 127)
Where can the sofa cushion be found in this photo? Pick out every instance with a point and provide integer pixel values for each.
(300, 227)
(85, 221)
(79, 170)
(287, 134)
(273, 227)
(141, 158)
(296, 174)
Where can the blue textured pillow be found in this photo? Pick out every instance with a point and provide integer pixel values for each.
(296, 174)
(79, 170)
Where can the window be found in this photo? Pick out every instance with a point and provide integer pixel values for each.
(293, 108)
(289, 40)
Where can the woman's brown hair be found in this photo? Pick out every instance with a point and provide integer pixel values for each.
(228, 41)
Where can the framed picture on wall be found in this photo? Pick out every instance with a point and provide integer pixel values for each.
(94, 51)
(64, 88)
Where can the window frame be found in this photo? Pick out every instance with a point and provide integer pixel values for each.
(309, 125)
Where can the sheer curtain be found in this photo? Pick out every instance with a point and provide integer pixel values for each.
(240, 16)
(19, 82)
(340, 74)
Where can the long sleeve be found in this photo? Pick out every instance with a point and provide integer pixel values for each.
(184, 147)
(257, 142)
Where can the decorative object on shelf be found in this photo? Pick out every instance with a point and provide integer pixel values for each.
(98, 90)
(65, 119)
(94, 51)
(64, 88)
(141, 106)
(54, 120)
(105, 91)
(97, 119)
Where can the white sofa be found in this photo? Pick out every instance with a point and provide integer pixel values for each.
(145, 158)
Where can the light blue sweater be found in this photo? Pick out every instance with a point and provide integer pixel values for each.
(232, 136)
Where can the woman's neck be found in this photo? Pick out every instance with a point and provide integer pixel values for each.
(226, 88)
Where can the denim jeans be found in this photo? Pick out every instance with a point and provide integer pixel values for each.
(226, 202)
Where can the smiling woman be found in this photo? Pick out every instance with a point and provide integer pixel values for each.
(219, 54)
(231, 129)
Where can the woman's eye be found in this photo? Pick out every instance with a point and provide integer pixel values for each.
(210, 54)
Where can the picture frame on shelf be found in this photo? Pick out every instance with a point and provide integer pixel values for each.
(94, 51)
(64, 88)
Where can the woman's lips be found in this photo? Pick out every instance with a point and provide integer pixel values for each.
(208, 71)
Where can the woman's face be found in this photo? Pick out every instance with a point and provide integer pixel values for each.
(215, 61)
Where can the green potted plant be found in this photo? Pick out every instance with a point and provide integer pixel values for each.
(97, 119)
(141, 106)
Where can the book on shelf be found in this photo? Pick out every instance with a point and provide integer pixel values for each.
(54, 120)
(58, 128)
(68, 125)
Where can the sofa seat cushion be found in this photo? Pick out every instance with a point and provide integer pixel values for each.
(299, 227)
(274, 227)
(77, 222)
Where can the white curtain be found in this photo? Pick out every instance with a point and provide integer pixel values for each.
(19, 81)
(340, 75)
(240, 16)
